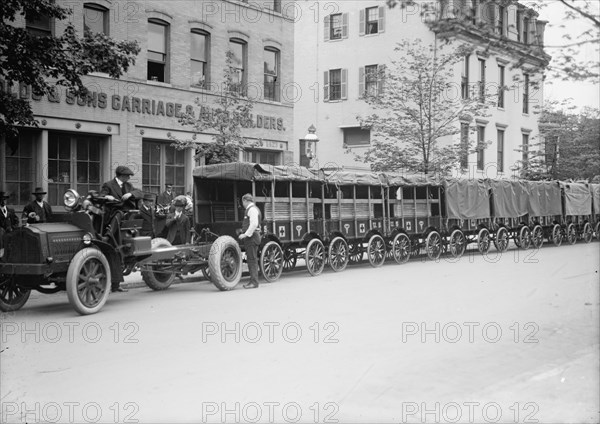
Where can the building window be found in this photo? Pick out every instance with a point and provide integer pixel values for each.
(199, 55)
(480, 147)
(162, 164)
(38, 25)
(526, 93)
(336, 84)
(525, 150)
(370, 79)
(519, 26)
(464, 80)
(501, 13)
(73, 161)
(372, 20)
(500, 159)
(271, 70)
(525, 37)
(464, 145)
(238, 65)
(357, 136)
(158, 33)
(262, 156)
(481, 80)
(20, 167)
(335, 28)
(501, 81)
(95, 19)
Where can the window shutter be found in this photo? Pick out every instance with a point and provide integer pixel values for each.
(361, 28)
(361, 81)
(327, 27)
(345, 25)
(381, 25)
(326, 86)
(344, 84)
(380, 79)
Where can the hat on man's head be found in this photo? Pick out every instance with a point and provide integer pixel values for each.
(179, 202)
(123, 170)
(39, 190)
(149, 196)
(4, 195)
(168, 185)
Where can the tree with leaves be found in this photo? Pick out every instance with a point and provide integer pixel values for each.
(46, 62)
(419, 111)
(225, 122)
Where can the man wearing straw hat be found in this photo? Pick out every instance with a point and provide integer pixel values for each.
(37, 211)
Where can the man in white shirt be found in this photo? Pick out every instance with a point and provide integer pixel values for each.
(251, 237)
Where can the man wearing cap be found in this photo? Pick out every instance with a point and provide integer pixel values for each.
(251, 237)
(147, 214)
(120, 188)
(178, 224)
(8, 219)
(37, 211)
(167, 196)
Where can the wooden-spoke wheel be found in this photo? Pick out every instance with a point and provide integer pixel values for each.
(88, 281)
(483, 241)
(356, 252)
(289, 259)
(501, 241)
(457, 244)
(225, 263)
(376, 250)
(338, 254)
(315, 257)
(588, 233)
(401, 248)
(12, 297)
(524, 238)
(271, 261)
(433, 245)
(557, 235)
(537, 236)
(571, 234)
(597, 230)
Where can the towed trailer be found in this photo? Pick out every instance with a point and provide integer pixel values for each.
(545, 212)
(595, 189)
(577, 212)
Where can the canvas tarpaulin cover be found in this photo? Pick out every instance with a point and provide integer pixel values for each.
(578, 199)
(544, 198)
(244, 171)
(467, 199)
(595, 189)
(509, 198)
(351, 178)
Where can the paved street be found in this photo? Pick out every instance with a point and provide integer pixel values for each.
(502, 339)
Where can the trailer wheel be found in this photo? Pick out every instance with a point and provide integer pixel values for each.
(433, 245)
(376, 250)
(315, 257)
(88, 281)
(401, 248)
(289, 259)
(571, 233)
(557, 235)
(338, 254)
(483, 241)
(156, 278)
(356, 252)
(225, 263)
(458, 243)
(597, 230)
(588, 233)
(271, 261)
(537, 236)
(524, 238)
(501, 241)
(12, 297)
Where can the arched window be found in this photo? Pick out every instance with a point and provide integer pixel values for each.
(238, 65)
(158, 50)
(200, 58)
(272, 73)
(95, 18)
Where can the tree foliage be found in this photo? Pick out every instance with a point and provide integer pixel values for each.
(419, 111)
(225, 122)
(46, 62)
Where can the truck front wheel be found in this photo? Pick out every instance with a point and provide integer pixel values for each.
(12, 297)
(88, 281)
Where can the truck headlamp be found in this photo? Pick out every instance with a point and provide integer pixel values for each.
(87, 238)
(70, 198)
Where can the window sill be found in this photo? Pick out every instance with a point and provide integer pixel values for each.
(372, 35)
(501, 108)
(360, 146)
(98, 74)
(335, 101)
(158, 83)
(335, 40)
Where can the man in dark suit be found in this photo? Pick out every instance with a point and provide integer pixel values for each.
(8, 219)
(178, 224)
(147, 214)
(167, 196)
(37, 211)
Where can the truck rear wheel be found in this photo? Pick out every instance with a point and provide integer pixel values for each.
(225, 263)
(155, 277)
(88, 281)
(12, 297)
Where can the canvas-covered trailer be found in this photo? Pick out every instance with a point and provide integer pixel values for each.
(544, 210)
(595, 190)
(577, 211)
(509, 211)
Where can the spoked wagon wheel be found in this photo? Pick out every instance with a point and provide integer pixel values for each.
(597, 230)
(524, 238)
(401, 248)
(457, 244)
(315, 257)
(271, 261)
(225, 263)
(588, 233)
(501, 241)
(537, 236)
(483, 241)
(433, 245)
(376, 250)
(88, 281)
(557, 235)
(356, 251)
(338, 254)
(289, 259)
(12, 297)
(158, 277)
(571, 234)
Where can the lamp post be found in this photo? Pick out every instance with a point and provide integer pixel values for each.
(310, 146)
